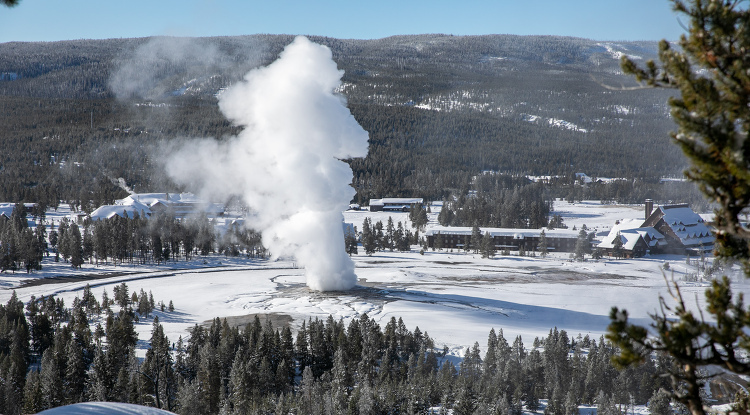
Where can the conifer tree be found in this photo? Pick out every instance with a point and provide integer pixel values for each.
(476, 239)
(122, 298)
(583, 246)
(542, 244)
(390, 235)
(438, 241)
(75, 372)
(418, 217)
(488, 246)
(379, 235)
(465, 401)
(369, 241)
(659, 403)
(33, 401)
(53, 237)
(402, 238)
(51, 381)
(617, 246)
(75, 248)
(712, 112)
(99, 379)
(350, 241)
(157, 368)
(63, 240)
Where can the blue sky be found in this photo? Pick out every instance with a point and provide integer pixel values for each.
(49, 20)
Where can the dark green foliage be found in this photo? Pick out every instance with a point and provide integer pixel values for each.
(67, 135)
(617, 250)
(418, 217)
(690, 340)
(583, 245)
(22, 247)
(498, 201)
(75, 246)
(712, 112)
(542, 247)
(556, 222)
(374, 239)
(350, 241)
(659, 404)
(140, 240)
(158, 370)
(487, 246)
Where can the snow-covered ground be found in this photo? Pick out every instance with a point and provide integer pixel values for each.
(455, 297)
(109, 408)
(595, 215)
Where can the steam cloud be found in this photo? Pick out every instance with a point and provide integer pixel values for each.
(165, 66)
(286, 163)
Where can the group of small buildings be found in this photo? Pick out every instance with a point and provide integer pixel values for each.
(667, 229)
(145, 205)
(6, 211)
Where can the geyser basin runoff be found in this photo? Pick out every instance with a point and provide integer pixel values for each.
(286, 163)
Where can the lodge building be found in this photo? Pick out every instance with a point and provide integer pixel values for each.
(558, 240)
(394, 204)
(666, 229)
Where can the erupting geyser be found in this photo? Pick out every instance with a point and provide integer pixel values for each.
(286, 163)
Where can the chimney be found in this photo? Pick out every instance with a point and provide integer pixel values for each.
(649, 207)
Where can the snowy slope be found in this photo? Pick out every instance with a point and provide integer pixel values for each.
(109, 408)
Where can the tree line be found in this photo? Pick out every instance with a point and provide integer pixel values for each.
(51, 355)
(119, 240)
(20, 246)
(376, 237)
(160, 238)
(498, 201)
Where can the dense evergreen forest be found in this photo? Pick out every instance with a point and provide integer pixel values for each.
(79, 115)
(119, 240)
(52, 355)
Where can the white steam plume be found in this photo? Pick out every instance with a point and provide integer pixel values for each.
(162, 67)
(286, 163)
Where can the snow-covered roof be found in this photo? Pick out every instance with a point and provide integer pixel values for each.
(109, 211)
(514, 233)
(146, 203)
(687, 225)
(628, 239)
(585, 177)
(150, 199)
(6, 209)
(395, 201)
(630, 231)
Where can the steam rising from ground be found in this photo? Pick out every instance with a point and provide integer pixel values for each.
(286, 164)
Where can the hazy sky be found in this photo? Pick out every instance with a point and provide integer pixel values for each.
(48, 20)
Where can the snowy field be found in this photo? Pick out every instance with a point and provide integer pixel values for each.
(455, 297)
